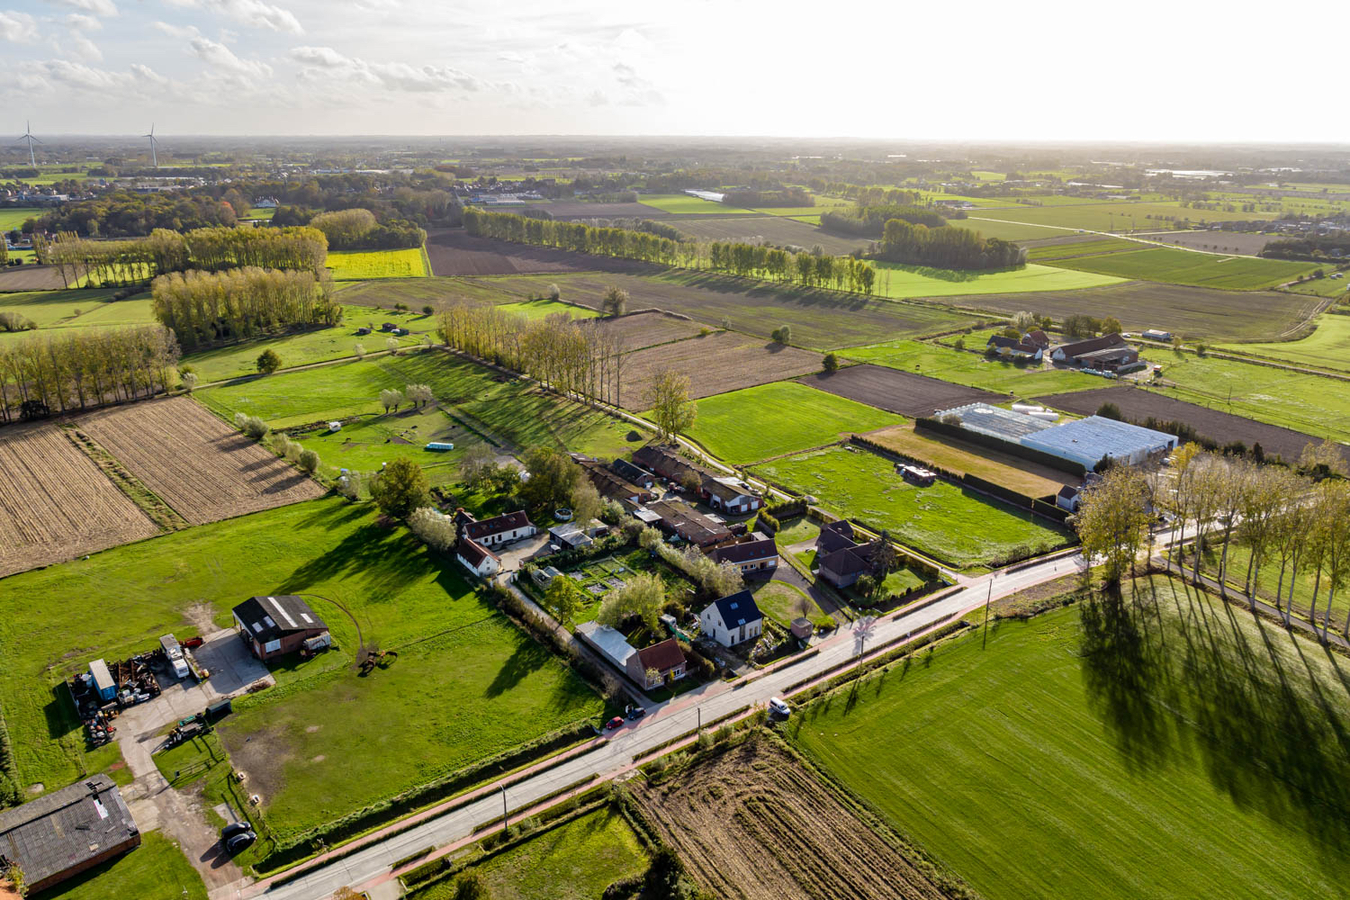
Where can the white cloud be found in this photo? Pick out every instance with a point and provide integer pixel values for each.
(254, 13)
(97, 7)
(87, 78)
(80, 47)
(222, 60)
(395, 76)
(18, 27)
(177, 31)
(81, 22)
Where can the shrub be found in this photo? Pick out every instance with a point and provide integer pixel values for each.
(189, 381)
(253, 426)
(268, 362)
(428, 309)
(831, 362)
(309, 461)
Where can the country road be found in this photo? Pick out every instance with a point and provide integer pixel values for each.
(371, 865)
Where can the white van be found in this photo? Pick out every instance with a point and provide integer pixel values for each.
(778, 707)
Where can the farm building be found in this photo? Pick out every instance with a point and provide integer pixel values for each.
(994, 422)
(1013, 348)
(840, 558)
(748, 553)
(476, 558)
(1154, 334)
(679, 518)
(570, 535)
(634, 474)
(610, 643)
(496, 531)
(731, 495)
(668, 464)
(68, 831)
(1067, 499)
(1089, 441)
(732, 620)
(610, 484)
(275, 626)
(658, 664)
(916, 475)
(1037, 338)
(1108, 353)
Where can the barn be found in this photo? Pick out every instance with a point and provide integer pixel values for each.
(275, 626)
(68, 831)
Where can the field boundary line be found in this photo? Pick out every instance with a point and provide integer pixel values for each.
(152, 506)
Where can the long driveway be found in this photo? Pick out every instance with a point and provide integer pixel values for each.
(373, 863)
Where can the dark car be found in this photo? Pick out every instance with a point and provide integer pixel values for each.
(616, 722)
(240, 842)
(232, 829)
(637, 712)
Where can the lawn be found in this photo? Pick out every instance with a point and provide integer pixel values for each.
(795, 531)
(943, 521)
(971, 368)
(901, 282)
(1178, 750)
(783, 602)
(1328, 347)
(14, 217)
(368, 443)
(363, 265)
(156, 870)
(542, 309)
(49, 309)
(262, 212)
(398, 728)
(511, 412)
(783, 417)
(1011, 472)
(686, 205)
(1234, 273)
(574, 861)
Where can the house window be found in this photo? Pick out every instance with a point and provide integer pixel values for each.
(271, 646)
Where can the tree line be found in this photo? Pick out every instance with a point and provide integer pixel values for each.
(870, 221)
(573, 236)
(358, 229)
(869, 195)
(67, 371)
(946, 247)
(205, 308)
(128, 214)
(841, 273)
(769, 199)
(1312, 247)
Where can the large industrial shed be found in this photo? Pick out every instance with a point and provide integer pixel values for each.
(67, 831)
(1088, 441)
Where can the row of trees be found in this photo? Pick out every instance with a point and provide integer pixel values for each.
(948, 248)
(769, 199)
(869, 195)
(842, 273)
(870, 221)
(128, 214)
(358, 229)
(67, 371)
(575, 236)
(205, 308)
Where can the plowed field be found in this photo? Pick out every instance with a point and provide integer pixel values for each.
(897, 391)
(196, 463)
(721, 362)
(55, 503)
(31, 278)
(647, 329)
(455, 252)
(753, 823)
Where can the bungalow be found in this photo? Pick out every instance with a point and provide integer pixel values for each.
(841, 560)
(275, 626)
(732, 620)
(633, 474)
(476, 558)
(750, 553)
(496, 531)
(679, 518)
(657, 665)
(731, 495)
(1013, 348)
(668, 464)
(1067, 499)
(1108, 353)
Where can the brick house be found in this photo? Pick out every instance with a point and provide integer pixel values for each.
(275, 626)
(666, 658)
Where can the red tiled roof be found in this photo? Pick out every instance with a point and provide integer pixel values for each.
(662, 657)
(496, 525)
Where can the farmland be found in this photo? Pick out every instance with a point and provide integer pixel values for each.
(49, 309)
(961, 458)
(776, 419)
(1078, 245)
(901, 282)
(1214, 424)
(453, 252)
(1235, 273)
(1209, 741)
(55, 503)
(28, 277)
(646, 329)
(777, 230)
(752, 821)
(204, 469)
(970, 367)
(900, 392)
(363, 265)
(1119, 216)
(942, 521)
(12, 218)
(156, 870)
(1240, 242)
(542, 309)
(686, 205)
(1009, 231)
(1326, 348)
(715, 363)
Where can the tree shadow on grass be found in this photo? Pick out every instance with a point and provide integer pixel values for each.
(59, 713)
(529, 657)
(383, 558)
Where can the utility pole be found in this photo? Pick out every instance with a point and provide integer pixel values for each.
(988, 597)
(699, 710)
(506, 822)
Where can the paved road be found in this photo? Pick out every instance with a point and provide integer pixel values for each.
(669, 722)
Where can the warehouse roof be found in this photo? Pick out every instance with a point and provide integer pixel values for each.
(994, 421)
(65, 828)
(268, 618)
(1088, 440)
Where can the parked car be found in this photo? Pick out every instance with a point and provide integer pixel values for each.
(637, 712)
(778, 707)
(234, 828)
(616, 722)
(240, 842)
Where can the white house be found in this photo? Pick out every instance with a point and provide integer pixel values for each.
(476, 558)
(752, 553)
(498, 530)
(732, 620)
(731, 495)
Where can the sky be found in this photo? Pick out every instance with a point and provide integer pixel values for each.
(1183, 71)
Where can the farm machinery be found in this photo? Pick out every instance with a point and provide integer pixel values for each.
(377, 659)
(103, 691)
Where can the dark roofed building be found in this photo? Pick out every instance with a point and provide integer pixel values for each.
(611, 485)
(275, 626)
(67, 831)
(750, 553)
(835, 536)
(730, 494)
(677, 517)
(840, 558)
(1038, 338)
(1013, 348)
(666, 659)
(668, 463)
(634, 474)
(733, 619)
(1109, 353)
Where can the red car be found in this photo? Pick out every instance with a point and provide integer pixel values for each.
(616, 722)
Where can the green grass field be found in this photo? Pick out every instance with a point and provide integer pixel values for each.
(1234, 273)
(542, 309)
(259, 212)
(14, 217)
(1009, 231)
(1179, 750)
(900, 282)
(574, 861)
(398, 728)
(942, 521)
(685, 205)
(77, 308)
(1068, 250)
(1328, 347)
(774, 419)
(971, 368)
(364, 265)
(156, 870)
(1119, 216)
(514, 412)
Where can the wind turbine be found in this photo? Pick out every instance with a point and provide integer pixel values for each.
(154, 158)
(28, 136)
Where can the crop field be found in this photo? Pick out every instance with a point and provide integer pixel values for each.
(775, 419)
(772, 229)
(901, 282)
(55, 503)
(1236, 242)
(419, 292)
(725, 361)
(1219, 315)
(203, 468)
(1326, 348)
(959, 527)
(1234, 273)
(1128, 216)
(156, 870)
(1210, 741)
(896, 391)
(819, 319)
(960, 457)
(686, 205)
(511, 412)
(971, 368)
(12, 218)
(455, 252)
(363, 265)
(753, 822)
(1222, 427)
(1078, 245)
(1009, 231)
(580, 210)
(647, 329)
(28, 277)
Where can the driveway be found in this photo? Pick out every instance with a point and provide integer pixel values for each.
(521, 551)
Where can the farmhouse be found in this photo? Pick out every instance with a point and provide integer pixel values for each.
(668, 464)
(840, 558)
(1108, 353)
(496, 531)
(732, 620)
(658, 664)
(1089, 441)
(68, 831)
(610, 484)
(731, 495)
(1037, 338)
(476, 558)
(748, 553)
(679, 518)
(275, 626)
(1013, 348)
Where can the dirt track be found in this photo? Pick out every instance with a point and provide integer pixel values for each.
(755, 824)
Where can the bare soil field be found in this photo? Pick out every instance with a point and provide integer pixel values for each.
(647, 329)
(754, 823)
(571, 209)
(778, 230)
(200, 466)
(1137, 405)
(1238, 242)
(30, 278)
(962, 458)
(896, 391)
(453, 251)
(1189, 311)
(55, 503)
(717, 363)
(825, 320)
